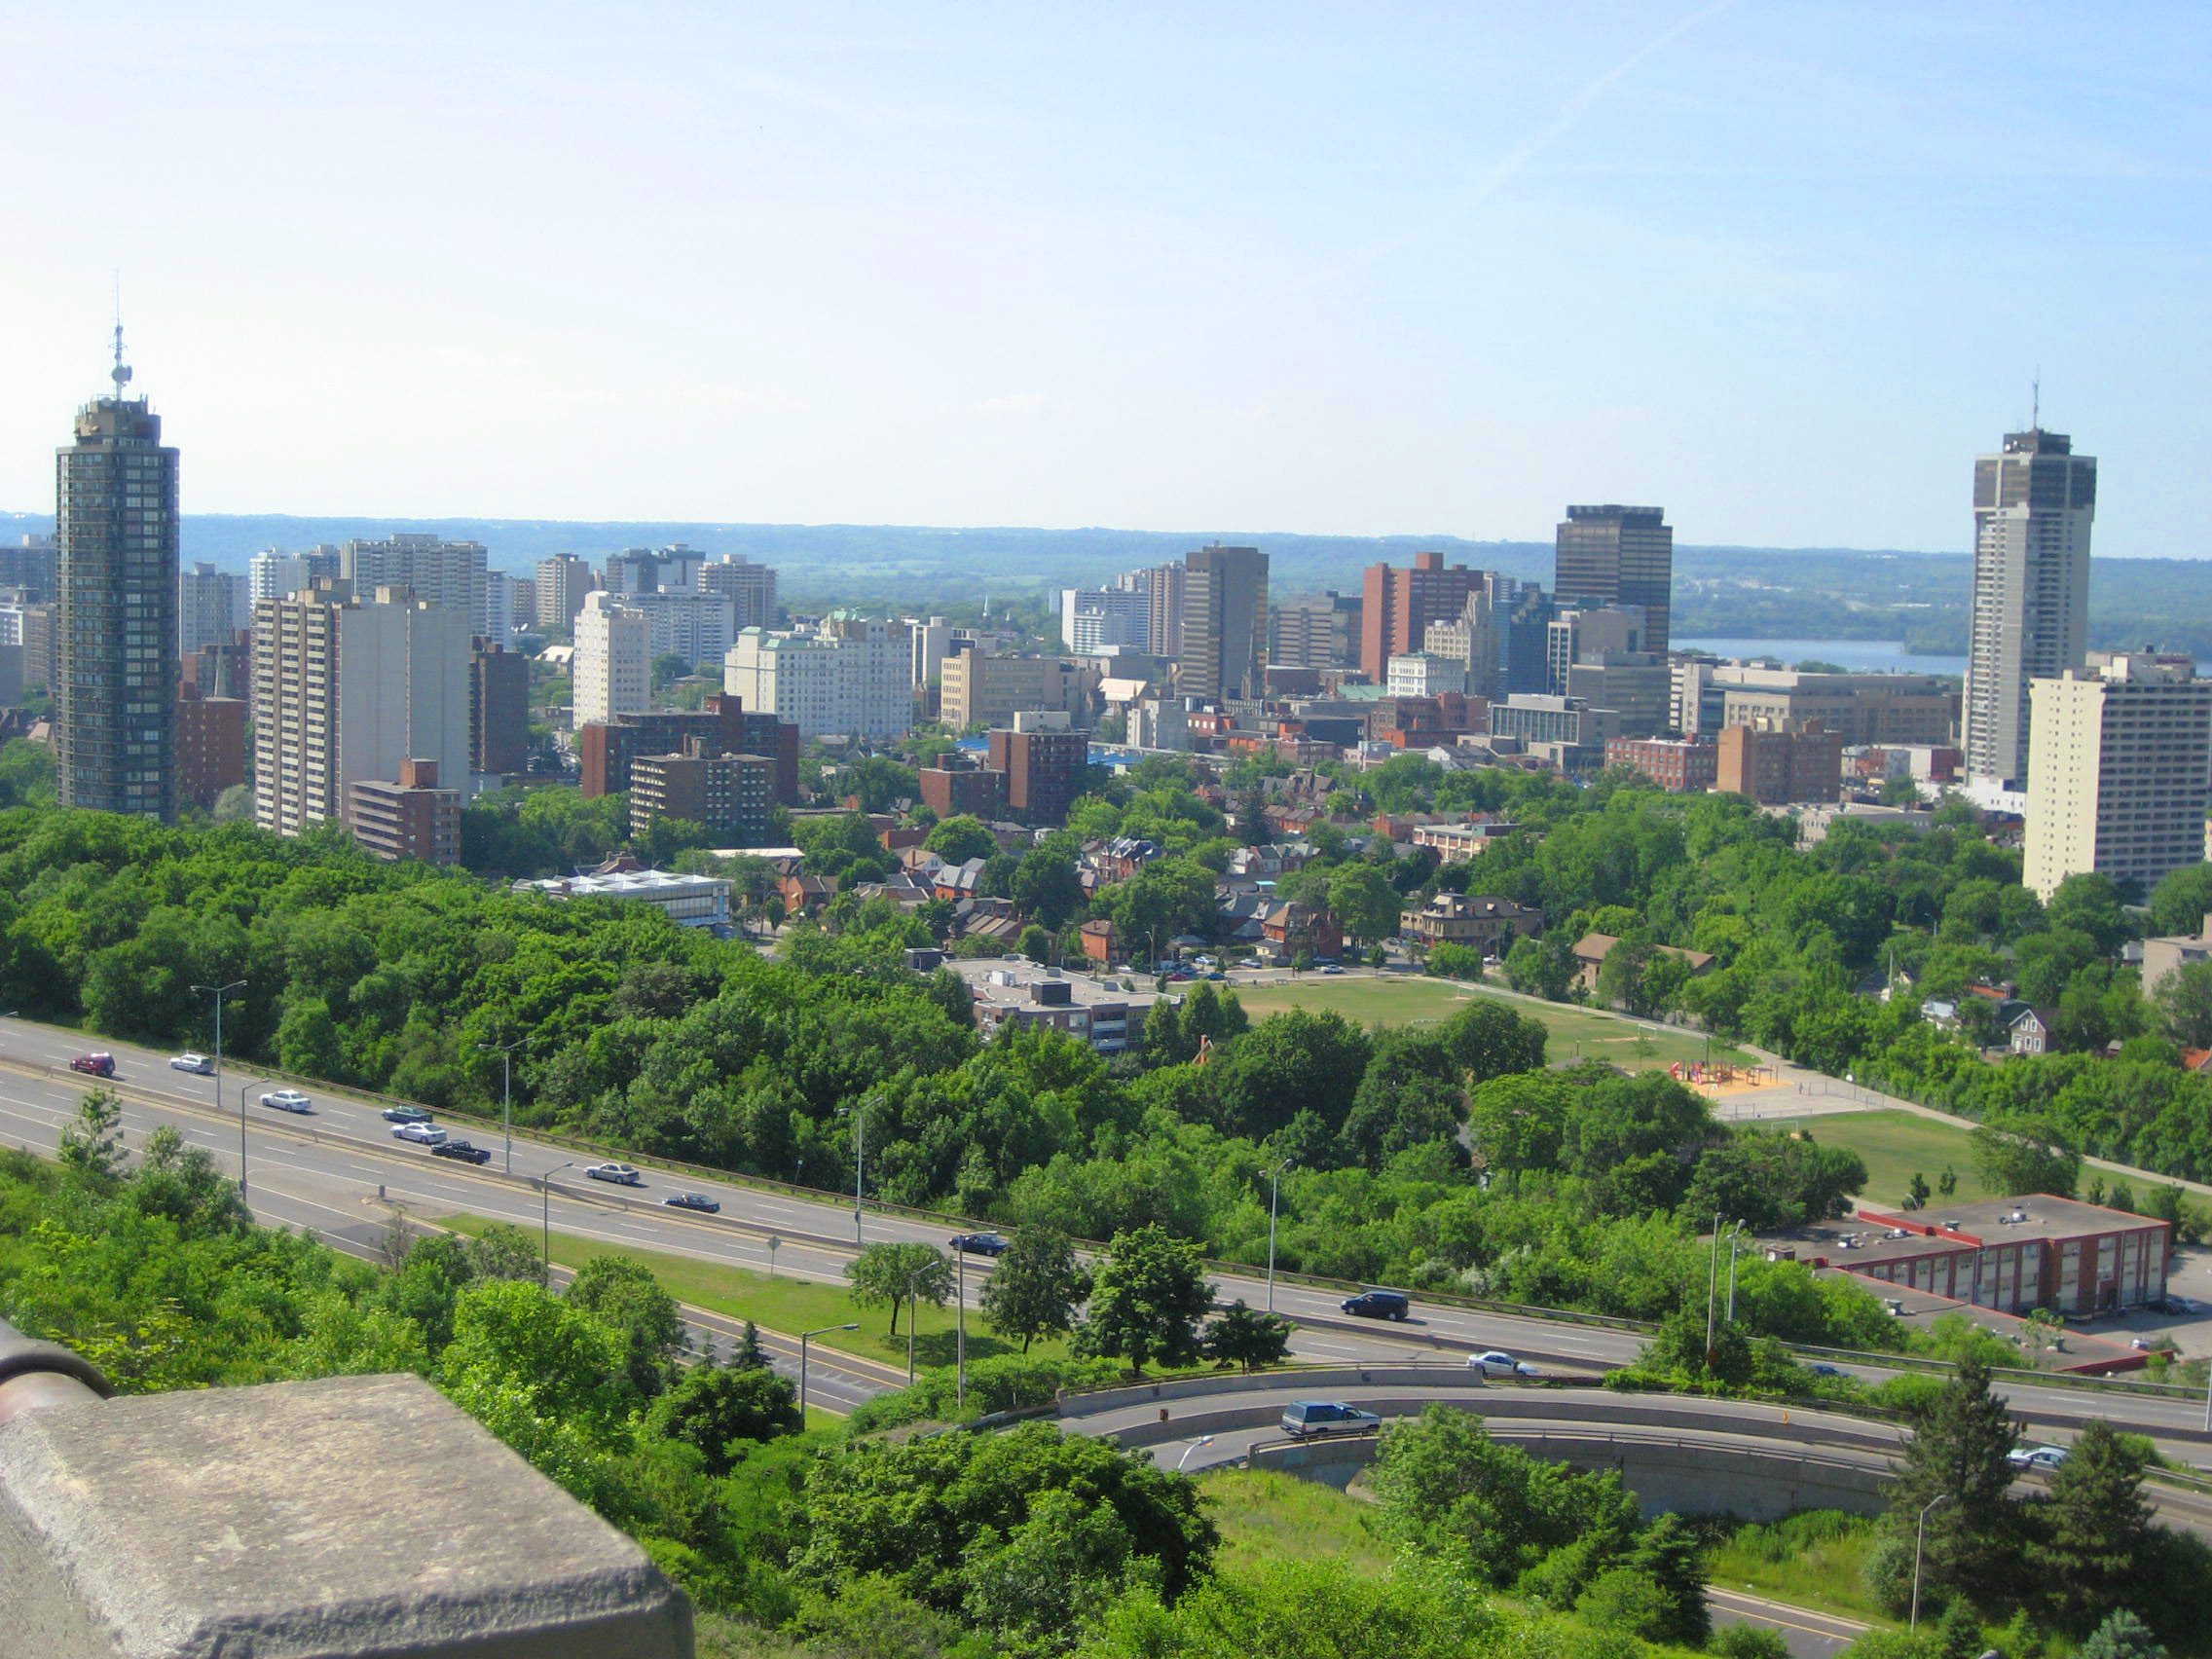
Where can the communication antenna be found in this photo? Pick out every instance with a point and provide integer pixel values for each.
(2035, 403)
(120, 372)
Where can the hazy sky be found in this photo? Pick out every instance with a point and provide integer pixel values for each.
(1783, 267)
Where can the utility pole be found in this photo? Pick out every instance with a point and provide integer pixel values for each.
(1275, 1192)
(505, 1052)
(219, 992)
(1711, 1284)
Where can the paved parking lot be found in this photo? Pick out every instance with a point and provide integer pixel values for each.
(2192, 1333)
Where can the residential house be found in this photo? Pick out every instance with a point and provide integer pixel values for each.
(1478, 921)
(2033, 1031)
(1592, 950)
(1288, 928)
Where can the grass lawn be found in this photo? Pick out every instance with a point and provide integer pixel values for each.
(1266, 1515)
(1895, 1144)
(787, 1304)
(1810, 1560)
(1589, 1033)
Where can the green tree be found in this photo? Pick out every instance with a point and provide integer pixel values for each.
(1540, 968)
(1036, 1288)
(1364, 902)
(1304, 1610)
(1958, 1452)
(1670, 1556)
(505, 1251)
(626, 1295)
(2180, 901)
(2184, 1005)
(1245, 1337)
(894, 1273)
(91, 1142)
(1047, 887)
(2019, 1156)
(2094, 1529)
(2123, 1636)
(1147, 1298)
(722, 1409)
(962, 838)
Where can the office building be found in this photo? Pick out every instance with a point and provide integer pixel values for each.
(848, 679)
(498, 710)
(732, 796)
(116, 533)
(1585, 635)
(1397, 605)
(1679, 765)
(209, 606)
(29, 567)
(612, 671)
(411, 816)
(1618, 556)
(349, 687)
(1639, 685)
(955, 786)
(1778, 767)
(274, 574)
(933, 640)
(1470, 640)
(1093, 619)
(2120, 771)
(211, 746)
(687, 901)
(498, 623)
(1539, 718)
(1319, 632)
(563, 581)
(1863, 708)
(607, 751)
(2033, 506)
(698, 627)
(987, 690)
(1046, 766)
(750, 588)
(1225, 623)
(1425, 674)
(1521, 614)
(450, 575)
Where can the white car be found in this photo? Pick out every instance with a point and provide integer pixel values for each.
(287, 1100)
(199, 1063)
(1498, 1363)
(2043, 1458)
(621, 1174)
(422, 1134)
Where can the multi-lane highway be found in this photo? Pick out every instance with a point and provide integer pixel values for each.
(340, 1172)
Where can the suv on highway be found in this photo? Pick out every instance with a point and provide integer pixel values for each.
(464, 1150)
(405, 1115)
(1378, 1304)
(99, 1065)
(287, 1100)
(1308, 1417)
(191, 1063)
(621, 1174)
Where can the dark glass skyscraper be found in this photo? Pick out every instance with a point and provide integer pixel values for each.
(116, 622)
(1615, 555)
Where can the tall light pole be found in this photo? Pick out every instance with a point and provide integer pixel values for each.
(505, 1052)
(960, 1338)
(1275, 1192)
(219, 992)
(1711, 1284)
(545, 1212)
(859, 1163)
(245, 1088)
(805, 1337)
(1919, 1543)
(1202, 1440)
(1735, 1254)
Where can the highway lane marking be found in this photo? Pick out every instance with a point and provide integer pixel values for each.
(1756, 1605)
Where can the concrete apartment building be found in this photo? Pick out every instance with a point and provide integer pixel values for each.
(611, 672)
(210, 604)
(116, 536)
(2034, 505)
(2172, 953)
(1688, 765)
(698, 627)
(408, 817)
(450, 575)
(750, 588)
(1045, 763)
(498, 710)
(1225, 624)
(2120, 772)
(30, 565)
(274, 574)
(1614, 555)
(1778, 767)
(563, 581)
(607, 750)
(991, 689)
(1320, 632)
(1425, 674)
(1397, 603)
(1534, 717)
(732, 795)
(1093, 619)
(850, 677)
(29, 626)
(933, 640)
(346, 689)
(1169, 586)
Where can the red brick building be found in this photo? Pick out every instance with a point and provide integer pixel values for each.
(605, 751)
(956, 786)
(730, 795)
(210, 746)
(1679, 765)
(1397, 606)
(1045, 771)
(1777, 768)
(409, 817)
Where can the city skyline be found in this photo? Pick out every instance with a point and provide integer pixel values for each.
(1020, 271)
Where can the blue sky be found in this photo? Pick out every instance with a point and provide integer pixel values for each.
(1784, 268)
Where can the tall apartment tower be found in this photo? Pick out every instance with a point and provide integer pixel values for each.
(750, 587)
(1615, 555)
(2120, 770)
(346, 691)
(208, 607)
(1225, 623)
(1397, 606)
(274, 574)
(613, 662)
(2033, 505)
(1164, 625)
(450, 575)
(116, 622)
(563, 581)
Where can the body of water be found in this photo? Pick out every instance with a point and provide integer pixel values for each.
(1861, 657)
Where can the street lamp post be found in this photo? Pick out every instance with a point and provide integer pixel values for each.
(805, 1337)
(545, 1212)
(245, 1088)
(914, 1312)
(960, 1329)
(1202, 1440)
(1735, 1255)
(505, 1052)
(219, 992)
(1919, 1543)
(860, 1164)
(1275, 1192)
(1712, 1285)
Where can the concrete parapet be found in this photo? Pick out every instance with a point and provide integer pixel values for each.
(350, 1516)
(1324, 1382)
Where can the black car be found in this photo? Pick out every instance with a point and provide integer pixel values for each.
(693, 1201)
(1378, 1304)
(464, 1150)
(980, 1243)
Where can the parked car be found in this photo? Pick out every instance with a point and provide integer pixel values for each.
(1378, 1304)
(621, 1174)
(99, 1065)
(464, 1150)
(1179, 977)
(1498, 1363)
(287, 1100)
(2043, 1458)
(405, 1115)
(422, 1134)
(693, 1201)
(1307, 1418)
(1332, 967)
(980, 1243)
(199, 1063)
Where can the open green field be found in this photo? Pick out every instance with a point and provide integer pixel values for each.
(787, 1304)
(1268, 1516)
(1893, 1145)
(1575, 1032)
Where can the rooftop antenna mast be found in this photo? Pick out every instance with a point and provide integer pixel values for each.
(120, 372)
(2035, 403)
